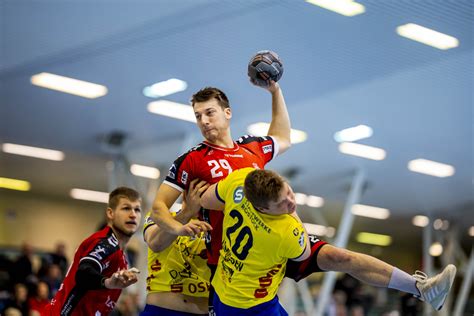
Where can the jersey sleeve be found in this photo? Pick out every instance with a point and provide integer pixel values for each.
(265, 146)
(294, 245)
(180, 172)
(100, 250)
(148, 223)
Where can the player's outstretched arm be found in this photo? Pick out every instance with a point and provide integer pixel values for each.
(280, 126)
(165, 198)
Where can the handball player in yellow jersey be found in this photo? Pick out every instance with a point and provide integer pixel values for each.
(261, 231)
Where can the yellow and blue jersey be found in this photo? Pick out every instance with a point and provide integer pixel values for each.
(180, 268)
(255, 247)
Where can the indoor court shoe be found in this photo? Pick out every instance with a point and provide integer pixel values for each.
(435, 290)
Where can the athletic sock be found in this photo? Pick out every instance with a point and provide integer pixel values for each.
(402, 281)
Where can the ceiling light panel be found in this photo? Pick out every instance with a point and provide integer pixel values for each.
(145, 171)
(362, 151)
(431, 168)
(344, 7)
(374, 239)
(88, 195)
(427, 36)
(370, 211)
(14, 184)
(261, 129)
(35, 152)
(69, 85)
(353, 134)
(172, 109)
(165, 88)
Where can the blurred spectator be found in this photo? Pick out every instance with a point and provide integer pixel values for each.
(53, 278)
(58, 257)
(127, 305)
(19, 299)
(38, 302)
(22, 269)
(12, 311)
(5, 268)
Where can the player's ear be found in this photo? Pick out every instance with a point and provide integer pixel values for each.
(109, 213)
(228, 113)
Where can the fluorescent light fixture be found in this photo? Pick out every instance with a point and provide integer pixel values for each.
(353, 134)
(314, 201)
(374, 239)
(370, 211)
(431, 168)
(35, 152)
(330, 231)
(88, 195)
(261, 129)
(165, 88)
(344, 7)
(314, 229)
(69, 85)
(436, 249)
(427, 36)
(14, 184)
(420, 220)
(300, 198)
(471, 231)
(172, 109)
(144, 171)
(363, 151)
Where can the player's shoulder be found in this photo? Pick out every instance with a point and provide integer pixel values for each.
(248, 139)
(196, 150)
(104, 237)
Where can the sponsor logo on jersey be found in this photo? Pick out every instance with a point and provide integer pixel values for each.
(314, 238)
(234, 156)
(267, 148)
(172, 172)
(296, 231)
(113, 241)
(255, 165)
(238, 195)
(184, 177)
(97, 251)
(301, 240)
(106, 265)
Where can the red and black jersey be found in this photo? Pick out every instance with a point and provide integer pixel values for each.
(298, 270)
(212, 163)
(102, 249)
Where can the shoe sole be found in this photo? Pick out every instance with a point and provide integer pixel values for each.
(451, 281)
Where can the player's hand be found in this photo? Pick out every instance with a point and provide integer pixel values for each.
(192, 197)
(122, 278)
(272, 86)
(194, 228)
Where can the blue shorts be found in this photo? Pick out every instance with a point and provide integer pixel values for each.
(152, 310)
(270, 308)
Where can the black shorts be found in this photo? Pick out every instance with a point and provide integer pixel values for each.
(298, 270)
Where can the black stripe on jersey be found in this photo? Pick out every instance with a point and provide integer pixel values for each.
(72, 300)
(104, 248)
(173, 170)
(250, 138)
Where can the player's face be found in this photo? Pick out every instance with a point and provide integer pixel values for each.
(126, 216)
(212, 119)
(286, 203)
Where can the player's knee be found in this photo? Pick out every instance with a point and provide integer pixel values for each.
(335, 259)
